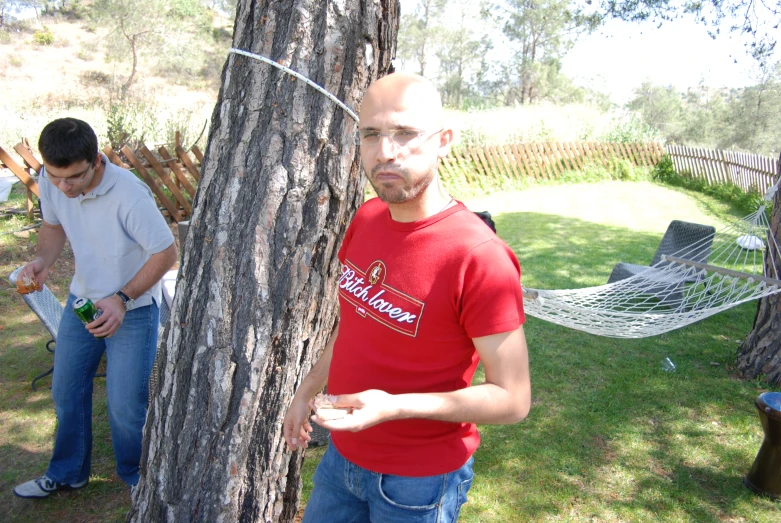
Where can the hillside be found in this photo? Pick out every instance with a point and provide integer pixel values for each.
(71, 77)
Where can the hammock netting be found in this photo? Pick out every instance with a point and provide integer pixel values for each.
(711, 272)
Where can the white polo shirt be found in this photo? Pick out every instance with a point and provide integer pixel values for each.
(113, 230)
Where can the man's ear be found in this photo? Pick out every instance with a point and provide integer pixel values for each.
(445, 142)
(97, 160)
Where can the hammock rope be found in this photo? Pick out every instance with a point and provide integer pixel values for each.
(742, 264)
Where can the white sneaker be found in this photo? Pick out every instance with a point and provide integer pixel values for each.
(43, 486)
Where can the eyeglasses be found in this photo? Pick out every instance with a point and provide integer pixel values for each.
(70, 180)
(398, 137)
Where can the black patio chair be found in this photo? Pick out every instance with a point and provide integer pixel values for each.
(685, 240)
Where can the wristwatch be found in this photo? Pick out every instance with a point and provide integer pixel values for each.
(126, 300)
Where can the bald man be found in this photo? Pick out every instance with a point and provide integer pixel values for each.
(426, 292)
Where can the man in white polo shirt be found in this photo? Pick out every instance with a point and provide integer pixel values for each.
(122, 247)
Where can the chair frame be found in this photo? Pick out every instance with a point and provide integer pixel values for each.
(49, 310)
(688, 240)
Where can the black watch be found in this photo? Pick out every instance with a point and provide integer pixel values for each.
(126, 300)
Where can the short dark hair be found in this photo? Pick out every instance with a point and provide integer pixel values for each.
(66, 141)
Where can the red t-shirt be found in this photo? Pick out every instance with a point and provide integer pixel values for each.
(412, 296)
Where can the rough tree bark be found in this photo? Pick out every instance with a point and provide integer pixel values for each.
(256, 297)
(760, 353)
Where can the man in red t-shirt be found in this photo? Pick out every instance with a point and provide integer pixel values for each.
(426, 292)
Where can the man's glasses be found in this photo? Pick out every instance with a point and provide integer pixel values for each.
(70, 180)
(399, 138)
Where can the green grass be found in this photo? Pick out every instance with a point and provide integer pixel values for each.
(611, 437)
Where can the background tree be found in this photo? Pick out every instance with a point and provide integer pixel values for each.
(661, 108)
(760, 20)
(8, 8)
(539, 32)
(134, 27)
(164, 30)
(418, 32)
(461, 52)
(752, 121)
(256, 300)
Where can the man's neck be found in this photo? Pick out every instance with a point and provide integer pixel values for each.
(424, 206)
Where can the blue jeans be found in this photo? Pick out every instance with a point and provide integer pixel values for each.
(347, 493)
(130, 354)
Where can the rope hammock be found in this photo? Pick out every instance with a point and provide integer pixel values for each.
(702, 272)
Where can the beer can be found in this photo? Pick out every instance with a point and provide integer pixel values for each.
(86, 310)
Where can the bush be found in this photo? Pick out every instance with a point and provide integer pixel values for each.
(631, 130)
(746, 202)
(43, 37)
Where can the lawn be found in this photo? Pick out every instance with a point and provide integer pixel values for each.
(611, 437)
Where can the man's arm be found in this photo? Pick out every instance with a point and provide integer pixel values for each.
(296, 427)
(504, 397)
(51, 240)
(114, 308)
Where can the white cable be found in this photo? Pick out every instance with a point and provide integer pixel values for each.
(301, 77)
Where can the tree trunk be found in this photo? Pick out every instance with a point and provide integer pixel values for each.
(256, 296)
(760, 353)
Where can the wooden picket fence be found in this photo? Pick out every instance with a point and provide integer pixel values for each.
(543, 160)
(747, 171)
(172, 178)
(173, 175)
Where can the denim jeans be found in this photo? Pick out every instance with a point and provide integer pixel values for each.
(347, 493)
(130, 354)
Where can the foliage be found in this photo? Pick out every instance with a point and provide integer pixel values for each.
(162, 31)
(660, 107)
(130, 122)
(456, 44)
(418, 33)
(745, 119)
(43, 37)
(760, 20)
(747, 203)
(461, 54)
(9, 8)
(631, 129)
(453, 37)
(187, 124)
(615, 170)
(539, 33)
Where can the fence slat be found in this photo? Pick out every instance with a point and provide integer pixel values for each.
(464, 164)
(714, 166)
(160, 170)
(198, 154)
(188, 163)
(162, 198)
(30, 160)
(523, 165)
(174, 168)
(19, 171)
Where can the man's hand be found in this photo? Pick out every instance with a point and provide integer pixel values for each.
(296, 426)
(35, 270)
(113, 314)
(369, 408)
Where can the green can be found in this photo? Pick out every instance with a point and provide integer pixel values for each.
(86, 310)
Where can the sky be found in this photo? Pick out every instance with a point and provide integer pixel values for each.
(620, 55)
